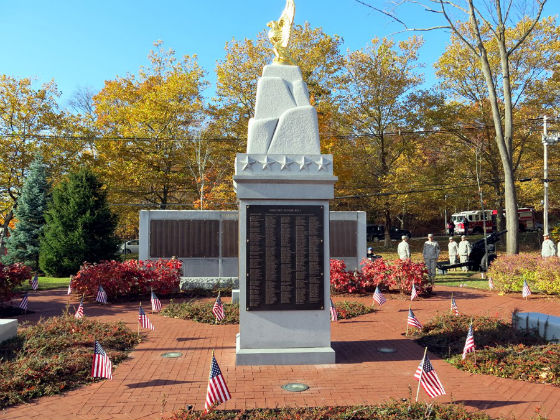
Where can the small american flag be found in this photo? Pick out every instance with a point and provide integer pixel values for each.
(469, 343)
(156, 304)
(526, 291)
(378, 297)
(35, 282)
(101, 295)
(454, 308)
(334, 314)
(414, 292)
(143, 320)
(218, 309)
(490, 283)
(413, 321)
(428, 378)
(80, 311)
(102, 366)
(218, 391)
(24, 302)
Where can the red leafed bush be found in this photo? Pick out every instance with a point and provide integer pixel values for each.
(12, 276)
(129, 278)
(399, 275)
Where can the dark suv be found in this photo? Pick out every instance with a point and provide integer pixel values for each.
(378, 231)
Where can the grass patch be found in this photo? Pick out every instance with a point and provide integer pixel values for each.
(462, 279)
(501, 350)
(46, 283)
(55, 355)
(391, 410)
(202, 312)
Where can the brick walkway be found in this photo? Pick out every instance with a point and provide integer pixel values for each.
(146, 384)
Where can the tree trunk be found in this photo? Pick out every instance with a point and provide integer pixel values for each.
(387, 212)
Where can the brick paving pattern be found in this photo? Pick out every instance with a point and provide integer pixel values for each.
(147, 385)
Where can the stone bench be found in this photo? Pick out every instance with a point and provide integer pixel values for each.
(8, 329)
(546, 326)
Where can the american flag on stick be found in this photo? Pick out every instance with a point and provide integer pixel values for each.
(80, 311)
(412, 320)
(490, 283)
(156, 304)
(378, 297)
(24, 302)
(427, 377)
(217, 391)
(454, 308)
(218, 309)
(101, 295)
(69, 287)
(469, 343)
(143, 319)
(334, 314)
(102, 366)
(413, 292)
(35, 282)
(526, 291)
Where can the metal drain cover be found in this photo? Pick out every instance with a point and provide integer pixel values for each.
(386, 350)
(295, 387)
(171, 354)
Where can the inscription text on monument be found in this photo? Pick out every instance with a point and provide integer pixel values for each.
(285, 257)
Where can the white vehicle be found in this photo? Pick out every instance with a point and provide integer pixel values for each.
(129, 247)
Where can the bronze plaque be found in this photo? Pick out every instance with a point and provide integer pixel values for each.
(285, 258)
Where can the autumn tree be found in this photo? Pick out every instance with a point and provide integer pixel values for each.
(148, 122)
(375, 99)
(478, 24)
(25, 113)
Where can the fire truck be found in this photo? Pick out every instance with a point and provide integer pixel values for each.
(473, 221)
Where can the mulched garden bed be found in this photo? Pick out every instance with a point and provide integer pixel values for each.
(392, 410)
(55, 355)
(501, 350)
(202, 311)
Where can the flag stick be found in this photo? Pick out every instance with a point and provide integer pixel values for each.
(451, 304)
(139, 322)
(409, 306)
(152, 309)
(421, 373)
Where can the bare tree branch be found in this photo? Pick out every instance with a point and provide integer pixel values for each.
(526, 34)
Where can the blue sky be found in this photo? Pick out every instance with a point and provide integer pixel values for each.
(83, 43)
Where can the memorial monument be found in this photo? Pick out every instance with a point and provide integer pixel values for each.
(283, 184)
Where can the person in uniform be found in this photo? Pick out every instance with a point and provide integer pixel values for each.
(430, 253)
(548, 249)
(403, 249)
(464, 249)
(453, 250)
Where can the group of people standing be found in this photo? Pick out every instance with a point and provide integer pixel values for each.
(431, 252)
(548, 248)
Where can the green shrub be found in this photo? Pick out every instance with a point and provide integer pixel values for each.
(55, 355)
(202, 312)
(542, 274)
(391, 410)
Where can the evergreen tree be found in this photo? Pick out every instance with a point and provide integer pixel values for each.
(80, 226)
(23, 242)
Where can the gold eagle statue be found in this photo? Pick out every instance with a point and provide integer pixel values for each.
(279, 34)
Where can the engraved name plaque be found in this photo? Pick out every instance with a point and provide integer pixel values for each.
(285, 257)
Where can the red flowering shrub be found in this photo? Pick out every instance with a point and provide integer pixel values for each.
(387, 275)
(129, 278)
(12, 276)
(541, 274)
